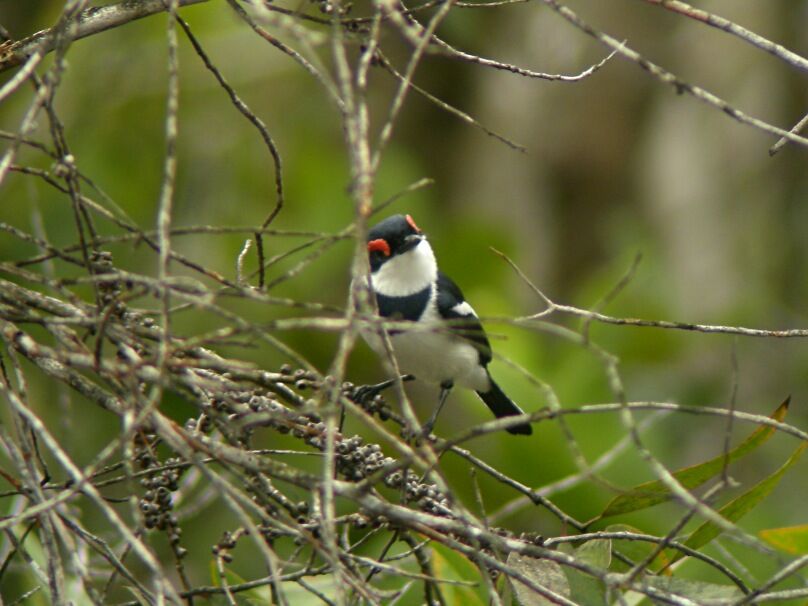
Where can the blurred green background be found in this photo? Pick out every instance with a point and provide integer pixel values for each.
(616, 165)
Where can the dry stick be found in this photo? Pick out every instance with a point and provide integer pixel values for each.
(81, 483)
(235, 499)
(256, 533)
(412, 29)
(609, 362)
(780, 575)
(368, 166)
(30, 349)
(610, 295)
(18, 545)
(787, 594)
(58, 37)
(247, 113)
(783, 140)
(664, 475)
(450, 531)
(424, 37)
(21, 76)
(9, 136)
(468, 119)
(362, 169)
(355, 124)
(552, 306)
(22, 458)
(520, 71)
(354, 23)
(606, 459)
(667, 77)
(164, 220)
(555, 404)
(27, 125)
(633, 536)
(642, 566)
(236, 456)
(328, 240)
(586, 409)
(41, 243)
(88, 22)
(51, 528)
(68, 167)
(142, 236)
(262, 130)
(305, 63)
(425, 564)
(779, 51)
(102, 548)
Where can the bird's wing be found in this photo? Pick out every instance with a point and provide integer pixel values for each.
(453, 307)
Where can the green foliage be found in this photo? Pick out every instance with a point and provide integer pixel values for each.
(585, 589)
(740, 506)
(450, 565)
(709, 594)
(791, 539)
(655, 492)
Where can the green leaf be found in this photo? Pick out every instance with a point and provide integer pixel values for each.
(705, 594)
(451, 565)
(740, 506)
(597, 553)
(546, 573)
(586, 590)
(655, 492)
(791, 539)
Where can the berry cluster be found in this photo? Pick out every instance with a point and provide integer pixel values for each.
(156, 504)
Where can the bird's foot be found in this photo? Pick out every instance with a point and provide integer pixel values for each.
(365, 393)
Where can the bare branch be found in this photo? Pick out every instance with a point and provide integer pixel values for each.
(89, 22)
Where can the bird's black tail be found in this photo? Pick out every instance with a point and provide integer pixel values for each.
(502, 406)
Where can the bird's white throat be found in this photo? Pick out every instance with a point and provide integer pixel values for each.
(407, 273)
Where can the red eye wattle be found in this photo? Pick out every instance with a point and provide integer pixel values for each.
(380, 245)
(413, 225)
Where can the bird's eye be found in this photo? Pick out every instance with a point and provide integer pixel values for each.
(412, 224)
(379, 245)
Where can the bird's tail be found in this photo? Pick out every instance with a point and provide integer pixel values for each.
(502, 406)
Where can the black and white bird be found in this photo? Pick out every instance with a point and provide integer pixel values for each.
(451, 347)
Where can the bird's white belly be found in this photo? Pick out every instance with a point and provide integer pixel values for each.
(436, 357)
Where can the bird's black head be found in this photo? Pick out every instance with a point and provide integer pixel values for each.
(393, 236)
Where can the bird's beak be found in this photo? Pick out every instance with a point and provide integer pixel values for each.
(411, 242)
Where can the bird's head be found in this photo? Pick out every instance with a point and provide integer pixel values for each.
(401, 260)
(395, 236)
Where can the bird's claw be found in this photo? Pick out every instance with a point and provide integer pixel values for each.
(365, 393)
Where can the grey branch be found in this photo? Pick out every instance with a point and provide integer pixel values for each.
(90, 21)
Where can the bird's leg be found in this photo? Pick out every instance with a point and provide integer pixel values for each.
(445, 388)
(366, 393)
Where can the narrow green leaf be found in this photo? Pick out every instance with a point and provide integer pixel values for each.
(791, 539)
(740, 506)
(655, 492)
(451, 565)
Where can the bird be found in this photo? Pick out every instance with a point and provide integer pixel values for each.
(449, 347)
